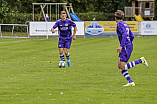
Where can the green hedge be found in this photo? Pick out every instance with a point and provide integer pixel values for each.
(21, 18)
(100, 16)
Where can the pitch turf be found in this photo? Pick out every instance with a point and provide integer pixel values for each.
(29, 73)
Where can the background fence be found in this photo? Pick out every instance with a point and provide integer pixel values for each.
(84, 28)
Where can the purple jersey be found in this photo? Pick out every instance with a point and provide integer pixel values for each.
(64, 27)
(125, 38)
(124, 34)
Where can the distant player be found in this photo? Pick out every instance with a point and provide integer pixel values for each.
(65, 35)
(125, 49)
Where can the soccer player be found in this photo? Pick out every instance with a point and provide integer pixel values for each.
(125, 49)
(64, 29)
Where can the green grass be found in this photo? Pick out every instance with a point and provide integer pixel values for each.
(29, 73)
(15, 34)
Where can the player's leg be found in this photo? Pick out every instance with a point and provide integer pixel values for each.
(61, 54)
(67, 47)
(67, 56)
(122, 61)
(61, 48)
(133, 63)
(124, 72)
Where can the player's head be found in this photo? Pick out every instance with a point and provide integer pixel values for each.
(63, 15)
(119, 15)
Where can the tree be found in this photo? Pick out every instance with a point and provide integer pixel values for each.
(7, 13)
(86, 9)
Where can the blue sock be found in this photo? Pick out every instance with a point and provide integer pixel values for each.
(62, 57)
(132, 64)
(68, 57)
(126, 75)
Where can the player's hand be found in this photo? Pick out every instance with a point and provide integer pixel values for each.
(53, 31)
(119, 49)
(74, 37)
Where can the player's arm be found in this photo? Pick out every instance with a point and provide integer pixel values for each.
(74, 34)
(131, 36)
(124, 32)
(53, 31)
(75, 28)
(55, 26)
(123, 39)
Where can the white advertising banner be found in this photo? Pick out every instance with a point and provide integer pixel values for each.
(44, 28)
(148, 27)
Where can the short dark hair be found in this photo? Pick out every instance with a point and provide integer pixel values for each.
(63, 12)
(119, 15)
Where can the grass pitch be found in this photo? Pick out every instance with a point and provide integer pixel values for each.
(29, 73)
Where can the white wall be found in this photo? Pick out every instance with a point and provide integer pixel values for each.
(44, 28)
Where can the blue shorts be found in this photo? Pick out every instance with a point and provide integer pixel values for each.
(125, 53)
(64, 42)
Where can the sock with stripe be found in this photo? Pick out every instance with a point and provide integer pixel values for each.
(126, 75)
(68, 57)
(62, 57)
(132, 64)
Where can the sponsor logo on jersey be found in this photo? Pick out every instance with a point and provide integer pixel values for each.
(63, 28)
(66, 24)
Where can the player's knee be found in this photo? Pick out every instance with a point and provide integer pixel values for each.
(66, 52)
(121, 67)
(60, 52)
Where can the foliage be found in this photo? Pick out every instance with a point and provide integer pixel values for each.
(99, 16)
(85, 9)
(7, 13)
(155, 11)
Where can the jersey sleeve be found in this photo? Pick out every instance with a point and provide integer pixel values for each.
(72, 23)
(124, 35)
(131, 36)
(56, 25)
